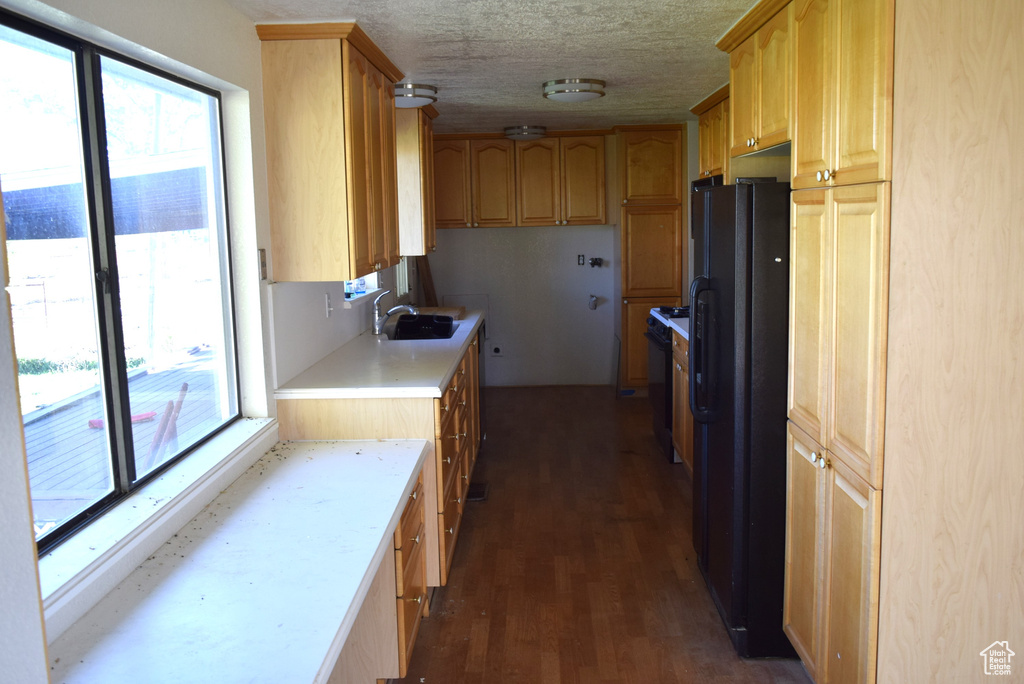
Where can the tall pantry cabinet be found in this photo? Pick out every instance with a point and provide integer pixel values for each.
(651, 159)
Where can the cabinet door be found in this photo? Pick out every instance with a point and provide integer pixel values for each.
(813, 84)
(452, 197)
(864, 91)
(415, 170)
(652, 167)
(358, 100)
(682, 418)
(810, 311)
(743, 97)
(718, 154)
(860, 265)
(773, 80)
(806, 512)
(652, 251)
(583, 181)
(493, 183)
(538, 173)
(633, 355)
(306, 160)
(851, 604)
(704, 142)
(390, 197)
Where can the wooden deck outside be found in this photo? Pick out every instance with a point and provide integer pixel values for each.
(69, 462)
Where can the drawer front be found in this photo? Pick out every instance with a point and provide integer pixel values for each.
(449, 523)
(407, 557)
(412, 516)
(680, 350)
(412, 603)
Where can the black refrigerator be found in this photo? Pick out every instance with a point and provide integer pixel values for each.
(738, 355)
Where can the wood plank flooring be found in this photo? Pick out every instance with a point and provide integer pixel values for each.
(579, 566)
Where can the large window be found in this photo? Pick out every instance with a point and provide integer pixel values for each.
(116, 240)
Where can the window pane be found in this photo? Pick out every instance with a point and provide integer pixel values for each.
(163, 149)
(51, 289)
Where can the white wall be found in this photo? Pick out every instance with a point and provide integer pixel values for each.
(537, 299)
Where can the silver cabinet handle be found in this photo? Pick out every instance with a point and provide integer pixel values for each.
(828, 174)
(819, 176)
(416, 539)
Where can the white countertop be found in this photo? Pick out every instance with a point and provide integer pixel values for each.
(374, 366)
(264, 584)
(680, 325)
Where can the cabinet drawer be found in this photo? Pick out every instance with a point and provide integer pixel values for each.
(407, 557)
(680, 350)
(412, 516)
(412, 603)
(449, 523)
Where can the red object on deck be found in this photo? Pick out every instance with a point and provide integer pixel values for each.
(137, 418)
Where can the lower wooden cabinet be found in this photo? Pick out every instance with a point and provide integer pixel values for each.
(833, 523)
(682, 418)
(633, 355)
(410, 575)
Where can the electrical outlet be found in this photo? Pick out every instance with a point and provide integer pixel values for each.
(495, 349)
(580, 260)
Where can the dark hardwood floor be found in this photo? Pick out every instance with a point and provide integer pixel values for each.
(579, 565)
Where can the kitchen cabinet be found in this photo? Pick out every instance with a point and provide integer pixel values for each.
(651, 161)
(330, 132)
(760, 72)
(414, 140)
(410, 574)
(652, 248)
(843, 61)
(682, 418)
(633, 353)
(833, 524)
(560, 181)
(713, 124)
(838, 321)
(474, 183)
(451, 423)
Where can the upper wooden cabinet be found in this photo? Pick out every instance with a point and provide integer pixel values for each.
(560, 181)
(759, 75)
(414, 138)
(838, 321)
(652, 166)
(474, 183)
(843, 60)
(330, 130)
(712, 129)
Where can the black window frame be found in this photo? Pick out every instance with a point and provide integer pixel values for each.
(99, 212)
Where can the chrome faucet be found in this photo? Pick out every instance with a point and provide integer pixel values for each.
(379, 319)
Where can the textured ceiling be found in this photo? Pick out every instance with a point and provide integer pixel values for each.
(490, 57)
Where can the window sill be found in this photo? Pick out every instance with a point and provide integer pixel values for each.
(78, 573)
(356, 299)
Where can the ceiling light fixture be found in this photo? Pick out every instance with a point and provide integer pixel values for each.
(574, 89)
(409, 95)
(525, 132)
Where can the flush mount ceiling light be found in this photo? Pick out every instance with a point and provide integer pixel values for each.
(574, 89)
(409, 95)
(525, 132)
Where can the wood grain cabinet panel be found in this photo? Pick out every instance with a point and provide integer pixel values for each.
(833, 523)
(329, 122)
(493, 176)
(652, 166)
(417, 223)
(652, 245)
(538, 182)
(634, 345)
(682, 418)
(760, 74)
(583, 180)
(842, 92)
(714, 148)
(838, 321)
(453, 200)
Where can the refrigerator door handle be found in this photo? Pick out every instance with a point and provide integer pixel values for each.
(701, 386)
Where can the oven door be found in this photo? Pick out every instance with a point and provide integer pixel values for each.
(659, 389)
